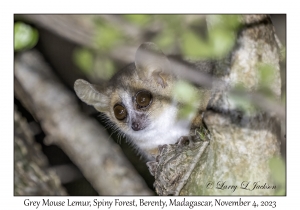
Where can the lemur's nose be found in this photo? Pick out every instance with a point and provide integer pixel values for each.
(136, 126)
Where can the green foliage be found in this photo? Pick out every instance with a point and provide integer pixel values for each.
(266, 77)
(186, 34)
(190, 33)
(104, 68)
(227, 22)
(186, 31)
(84, 59)
(140, 20)
(277, 167)
(93, 65)
(219, 41)
(107, 36)
(266, 73)
(25, 37)
(187, 96)
(194, 46)
(165, 39)
(172, 30)
(185, 93)
(242, 103)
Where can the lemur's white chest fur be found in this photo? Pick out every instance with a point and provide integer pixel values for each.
(165, 129)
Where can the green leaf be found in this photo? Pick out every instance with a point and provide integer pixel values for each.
(266, 79)
(188, 97)
(277, 167)
(185, 111)
(221, 37)
(25, 37)
(195, 46)
(84, 59)
(141, 20)
(185, 92)
(104, 68)
(165, 39)
(174, 22)
(107, 36)
(266, 74)
(227, 22)
(242, 103)
(221, 41)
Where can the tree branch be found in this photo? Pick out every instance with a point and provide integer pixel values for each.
(82, 139)
(31, 173)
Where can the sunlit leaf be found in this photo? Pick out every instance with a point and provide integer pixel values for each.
(227, 22)
(84, 59)
(26, 37)
(107, 36)
(266, 73)
(266, 79)
(242, 103)
(187, 96)
(194, 46)
(165, 39)
(221, 41)
(277, 167)
(185, 111)
(104, 68)
(138, 19)
(185, 92)
(222, 33)
(231, 21)
(172, 21)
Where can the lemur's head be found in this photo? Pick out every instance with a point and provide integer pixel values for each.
(137, 95)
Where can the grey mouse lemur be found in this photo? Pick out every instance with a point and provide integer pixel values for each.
(139, 101)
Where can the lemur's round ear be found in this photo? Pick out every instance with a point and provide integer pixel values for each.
(150, 61)
(92, 94)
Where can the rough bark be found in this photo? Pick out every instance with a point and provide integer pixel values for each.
(82, 139)
(241, 143)
(31, 173)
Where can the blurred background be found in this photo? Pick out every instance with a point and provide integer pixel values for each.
(94, 47)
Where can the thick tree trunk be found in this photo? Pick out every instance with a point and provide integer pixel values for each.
(241, 142)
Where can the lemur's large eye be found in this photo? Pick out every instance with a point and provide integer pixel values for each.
(120, 112)
(143, 99)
